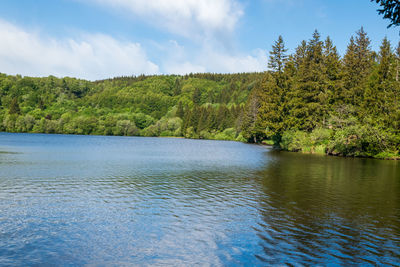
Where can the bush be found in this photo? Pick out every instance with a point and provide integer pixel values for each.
(227, 134)
(388, 155)
(205, 135)
(240, 138)
(296, 141)
(320, 136)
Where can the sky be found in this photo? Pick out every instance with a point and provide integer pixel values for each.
(98, 39)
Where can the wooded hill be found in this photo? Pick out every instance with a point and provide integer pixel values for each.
(194, 106)
(315, 101)
(312, 101)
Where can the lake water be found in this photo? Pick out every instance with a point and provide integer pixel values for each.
(104, 201)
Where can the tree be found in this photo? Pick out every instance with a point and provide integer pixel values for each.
(180, 112)
(307, 100)
(278, 57)
(385, 59)
(270, 116)
(390, 9)
(177, 87)
(397, 54)
(332, 68)
(14, 107)
(250, 129)
(196, 97)
(357, 67)
(272, 94)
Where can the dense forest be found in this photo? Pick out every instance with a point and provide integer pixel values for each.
(313, 100)
(207, 106)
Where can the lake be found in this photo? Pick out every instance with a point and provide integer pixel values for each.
(117, 201)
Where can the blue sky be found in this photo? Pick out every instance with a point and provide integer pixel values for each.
(96, 39)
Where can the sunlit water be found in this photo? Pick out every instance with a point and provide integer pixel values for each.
(94, 200)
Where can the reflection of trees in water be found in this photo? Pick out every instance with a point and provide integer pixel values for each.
(325, 209)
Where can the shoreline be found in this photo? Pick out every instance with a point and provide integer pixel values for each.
(269, 145)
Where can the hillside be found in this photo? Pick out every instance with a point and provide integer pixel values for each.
(194, 106)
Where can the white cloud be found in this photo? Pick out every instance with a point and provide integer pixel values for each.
(233, 63)
(93, 56)
(190, 18)
(99, 56)
(179, 60)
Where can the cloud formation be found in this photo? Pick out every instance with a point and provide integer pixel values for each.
(181, 60)
(189, 18)
(99, 56)
(93, 56)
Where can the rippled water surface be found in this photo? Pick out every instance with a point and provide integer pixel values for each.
(92, 200)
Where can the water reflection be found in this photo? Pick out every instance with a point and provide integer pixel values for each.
(330, 210)
(77, 200)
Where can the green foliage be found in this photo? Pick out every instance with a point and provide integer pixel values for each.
(390, 9)
(311, 101)
(195, 105)
(227, 134)
(321, 104)
(14, 107)
(295, 141)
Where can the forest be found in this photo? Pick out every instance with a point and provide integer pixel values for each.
(312, 101)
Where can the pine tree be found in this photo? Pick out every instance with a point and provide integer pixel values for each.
(212, 118)
(196, 97)
(380, 95)
(272, 93)
(250, 128)
(397, 62)
(331, 58)
(194, 118)
(270, 114)
(300, 55)
(180, 112)
(308, 103)
(385, 60)
(203, 116)
(278, 57)
(332, 69)
(357, 67)
(177, 87)
(390, 9)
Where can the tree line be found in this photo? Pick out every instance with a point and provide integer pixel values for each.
(202, 105)
(316, 101)
(312, 100)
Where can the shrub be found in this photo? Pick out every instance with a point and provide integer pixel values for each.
(296, 141)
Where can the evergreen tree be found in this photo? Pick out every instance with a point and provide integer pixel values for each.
(300, 55)
(307, 100)
(177, 87)
(212, 123)
(390, 9)
(331, 59)
(332, 69)
(380, 95)
(250, 129)
(203, 117)
(272, 91)
(270, 114)
(385, 59)
(196, 98)
(278, 57)
(397, 62)
(180, 112)
(357, 67)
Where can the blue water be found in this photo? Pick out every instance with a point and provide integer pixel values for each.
(112, 201)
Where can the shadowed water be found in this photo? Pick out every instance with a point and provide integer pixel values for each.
(94, 200)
